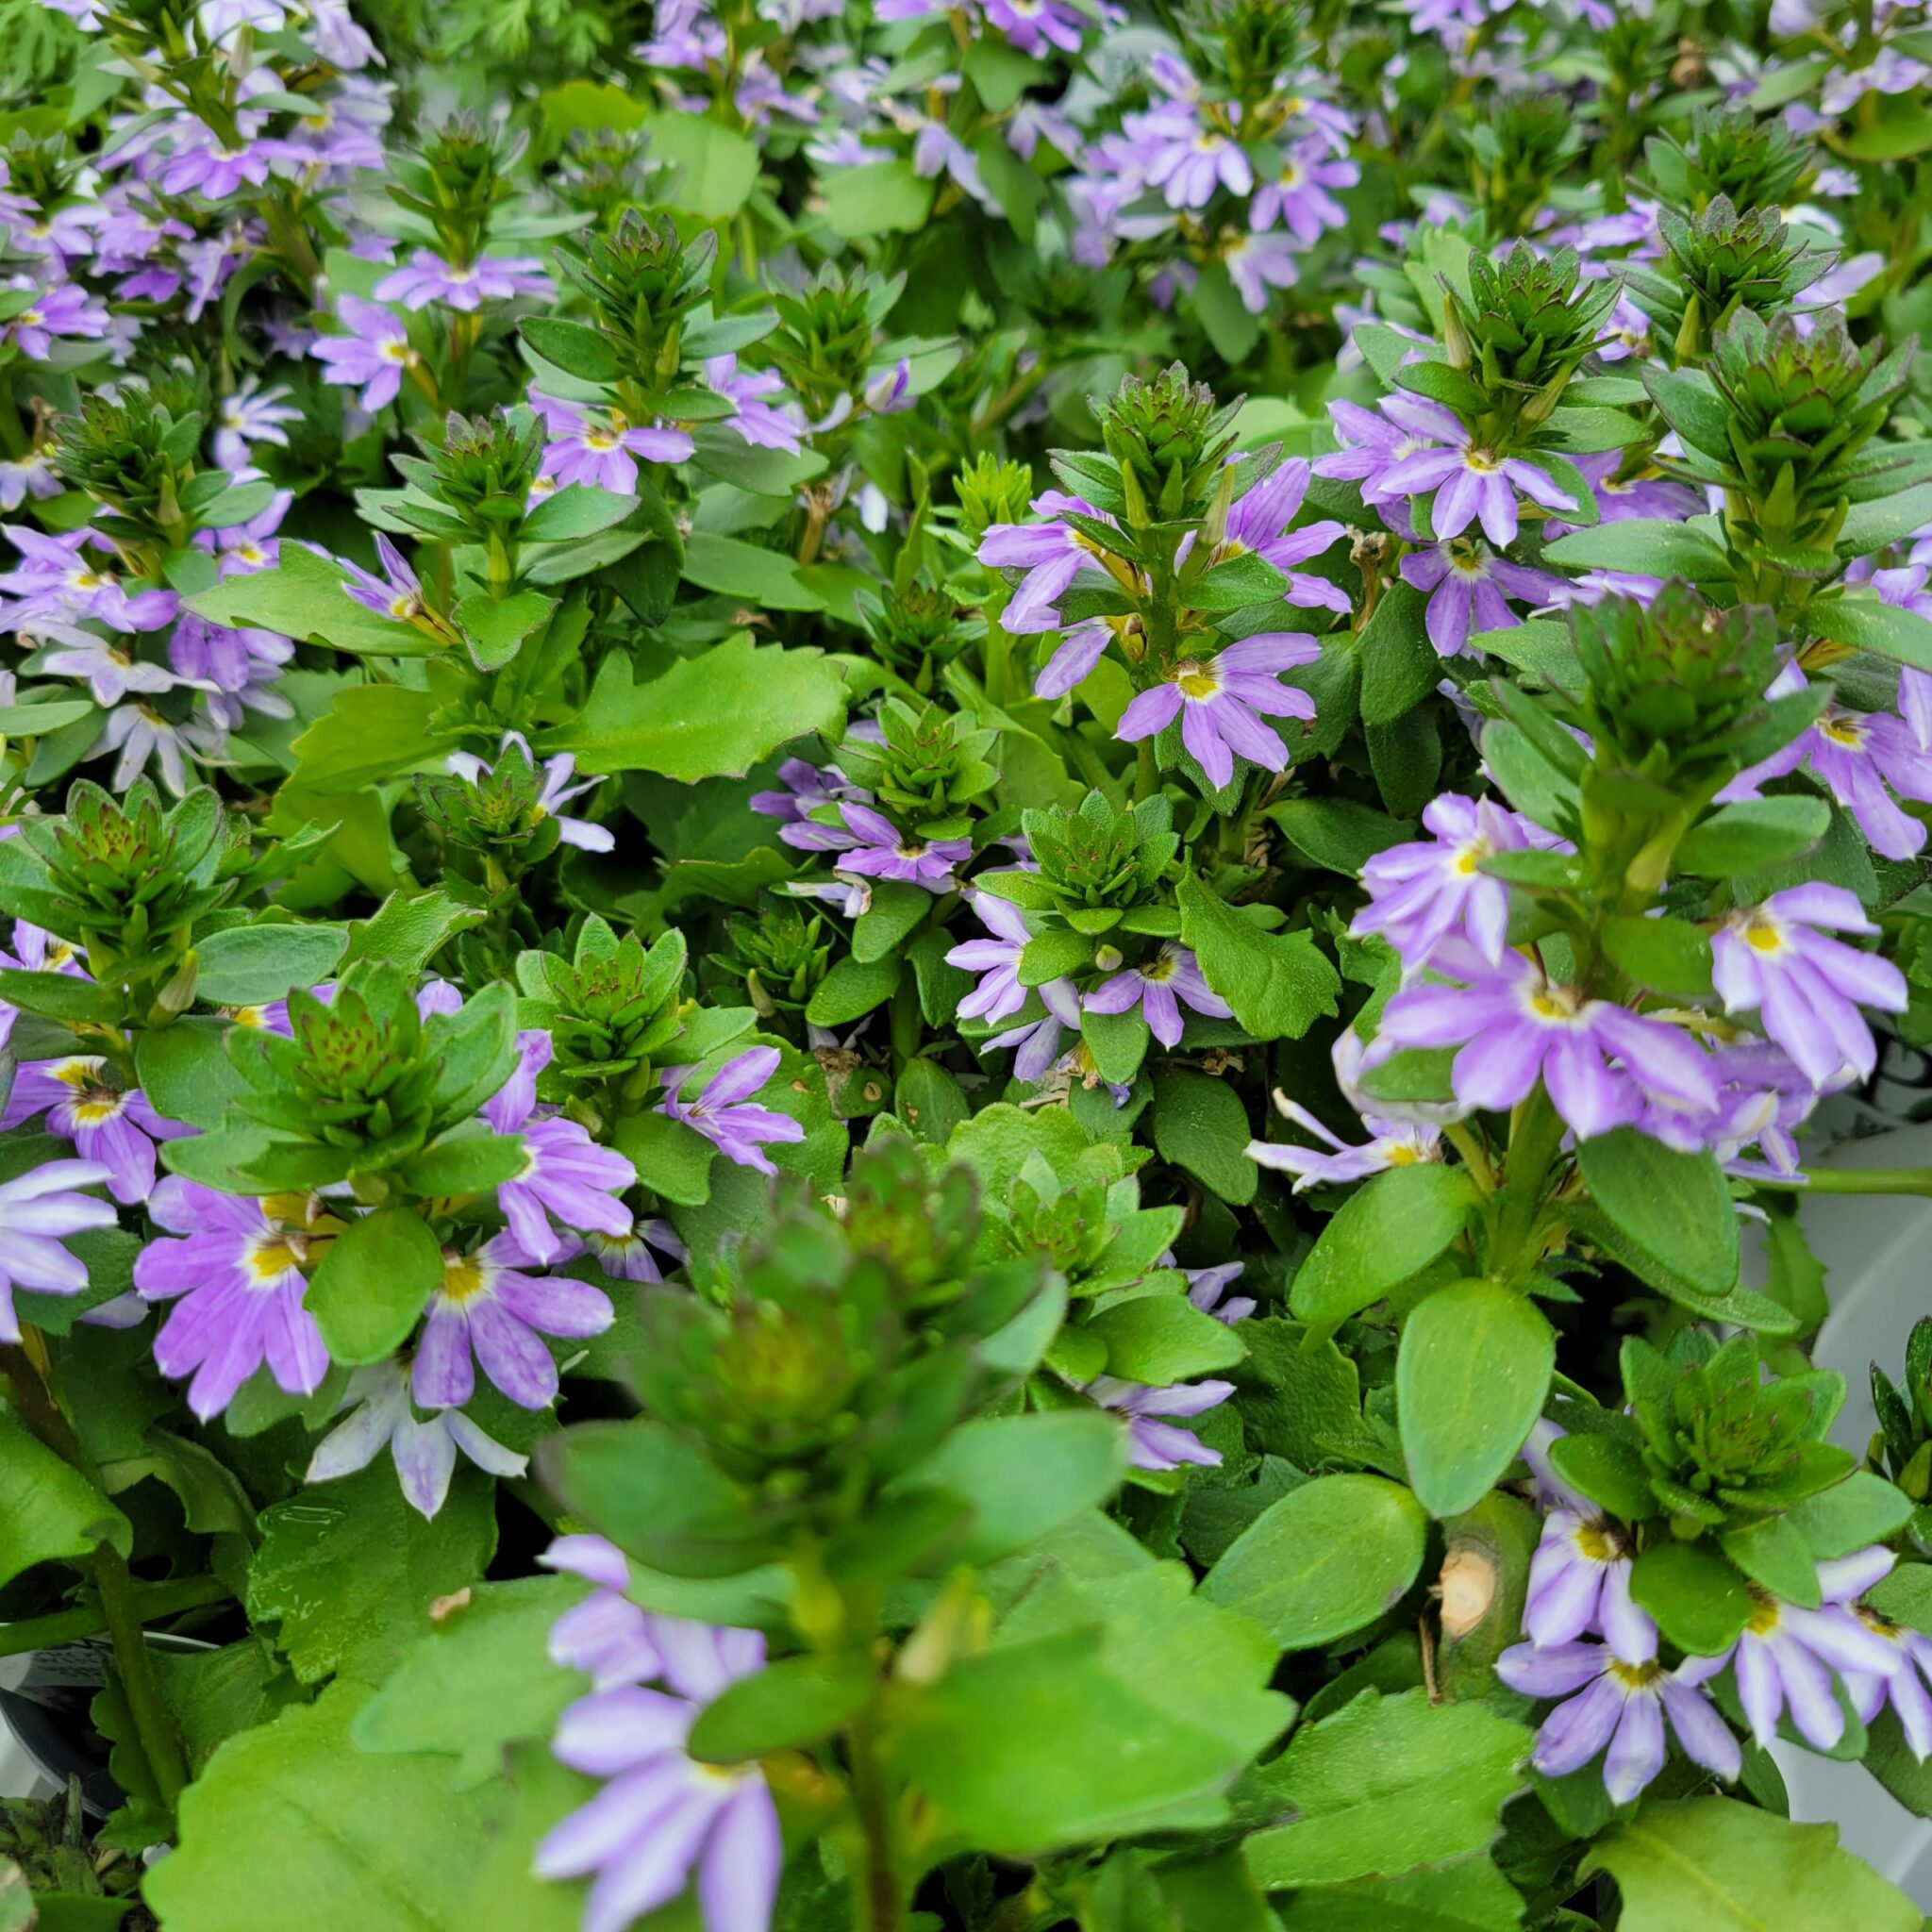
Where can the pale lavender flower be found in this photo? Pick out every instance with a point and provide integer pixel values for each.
(634, 1256)
(607, 1636)
(1037, 1043)
(55, 580)
(1161, 987)
(1467, 583)
(1777, 960)
(427, 277)
(871, 845)
(557, 791)
(1217, 700)
(373, 354)
(1298, 197)
(1258, 521)
(1033, 25)
(1428, 891)
(489, 1310)
(31, 476)
(1469, 482)
(1207, 1289)
(1372, 444)
(250, 415)
(1579, 1577)
(997, 959)
(66, 309)
(237, 1283)
(1904, 1688)
(599, 447)
(1393, 1143)
(1601, 1064)
(1152, 1443)
(1618, 1710)
(1053, 557)
(725, 1113)
(806, 787)
(109, 669)
(564, 1173)
(37, 1209)
(1785, 1660)
(1186, 161)
(1626, 500)
(425, 1451)
(113, 1126)
(1258, 261)
(662, 1817)
(1861, 757)
(396, 594)
(759, 421)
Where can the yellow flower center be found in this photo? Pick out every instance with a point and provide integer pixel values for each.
(1845, 732)
(1198, 682)
(271, 1256)
(1635, 1676)
(462, 1279)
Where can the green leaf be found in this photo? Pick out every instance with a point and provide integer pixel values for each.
(348, 1570)
(1393, 1225)
(1607, 1469)
(1752, 835)
(374, 1282)
(851, 990)
(291, 1829)
(1161, 1339)
(1698, 1599)
(1279, 985)
(1667, 956)
(1399, 667)
(575, 347)
(185, 1072)
(305, 597)
(1324, 1561)
(578, 511)
(408, 929)
(52, 1513)
(1772, 1552)
(1862, 1509)
(1234, 584)
(875, 198)
(671, 1158)
(885, 924)
(1022, 1475)
(493, 627)
(783, 1708)
(1676, 1206)
(370, 731)
(61, 996)
(716, 169)
(1716, 1865)
(1890, 629)
(761, 579)
(480, 1680)
(468, 1162)
(1118, 1042)
(248, 965)
(1648, 545)
(1200, 1124)
(712, 716)
(1340, 834)
(1386, 1785)
(1471, 1372)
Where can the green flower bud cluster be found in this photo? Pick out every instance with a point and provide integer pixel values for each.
(1753, 162)
(135, 455)
(1724, 260)
(779, 955)
(928, 772)
(1100, 866)
(825, 344)
(610, 1010)
(1171, 440)
(642, 281)
(917, 631)
(456, 182)
(992, 491)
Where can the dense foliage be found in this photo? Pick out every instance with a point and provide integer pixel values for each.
(906, 902)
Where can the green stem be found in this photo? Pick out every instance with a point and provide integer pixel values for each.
(1535, 1135)
(1854, 1181)
(999, 660)
(1146, 773)
(154, 1724)
(878, 1906)
(153, 1600)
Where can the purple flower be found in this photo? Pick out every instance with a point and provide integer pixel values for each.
(424, 1453)
(1217, 700)
(489, 1309)
(1429, 890)
(607, 1636)
(1372, 443)
(1054, 557)
(1033, 25)
(112, 1127)
(1159, 987)
(558, 789)
(601, 448)
(1857, 756)
(1632, 498)
(1395, 1143)
(54, 581)
(1468, 581)
(869, 843)
(1187, 161)
(760, 423)
(1784, 1658)
(238, 1273)
(1601, 1064)
(1151, 1442)
(999, 992)
(1579, 1577)
(1806, 986)
(663, 1816)
(426, 278)
(36, 1211)
(1618, 1709)
(1258, 521)
(723, 1112)
(1257, 263)
(1297, 198)
(1904, 1688)
(248, 415)
(371, 356)
(1470, 482)
(564, 1173)
(806, 787)
(396, 594)
(64, 309)
(633, 1257)
(1039, 1040)
(1207, 1289)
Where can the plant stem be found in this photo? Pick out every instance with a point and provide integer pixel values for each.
(1853, 1180)
(153, 1600)
(878, 1906)
(1535, 1135)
